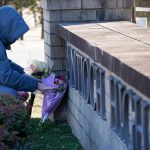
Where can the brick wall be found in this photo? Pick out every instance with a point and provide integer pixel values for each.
(94, 123)
(58, 11)
(103, 110)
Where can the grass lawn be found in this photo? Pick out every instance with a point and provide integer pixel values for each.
(51, 136)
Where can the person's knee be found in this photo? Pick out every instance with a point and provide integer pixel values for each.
(7, 90)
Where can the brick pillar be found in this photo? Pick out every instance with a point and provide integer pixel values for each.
(58, 11)
(118, 9)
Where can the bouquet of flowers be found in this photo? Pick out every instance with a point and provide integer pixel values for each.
(53, 97)
(57, 84)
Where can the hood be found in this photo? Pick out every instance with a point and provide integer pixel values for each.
(12, 26)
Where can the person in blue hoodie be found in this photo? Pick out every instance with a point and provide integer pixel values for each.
(12, 76)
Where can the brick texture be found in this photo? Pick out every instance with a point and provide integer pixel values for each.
(61, 4)
(86, 124)
(92, 4)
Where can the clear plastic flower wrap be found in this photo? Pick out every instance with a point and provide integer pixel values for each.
(39, 68)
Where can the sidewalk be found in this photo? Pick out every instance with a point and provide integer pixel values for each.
(23, 52)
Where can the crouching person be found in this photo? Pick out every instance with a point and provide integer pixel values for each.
(12, 76)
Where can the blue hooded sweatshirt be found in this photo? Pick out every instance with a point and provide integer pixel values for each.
(12, 27)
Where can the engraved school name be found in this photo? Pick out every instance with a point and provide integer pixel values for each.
(130, 113)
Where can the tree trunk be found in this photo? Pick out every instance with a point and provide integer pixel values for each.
(20, 8)
(42, 34)
(3, 2)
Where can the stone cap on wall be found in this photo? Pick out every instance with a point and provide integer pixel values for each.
(122, 47)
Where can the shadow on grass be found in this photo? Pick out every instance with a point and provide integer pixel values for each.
(51, 136)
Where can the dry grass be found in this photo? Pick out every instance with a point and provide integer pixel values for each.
(37, 107)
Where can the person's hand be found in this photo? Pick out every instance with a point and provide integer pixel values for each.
(39, 80)
(42, 87)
